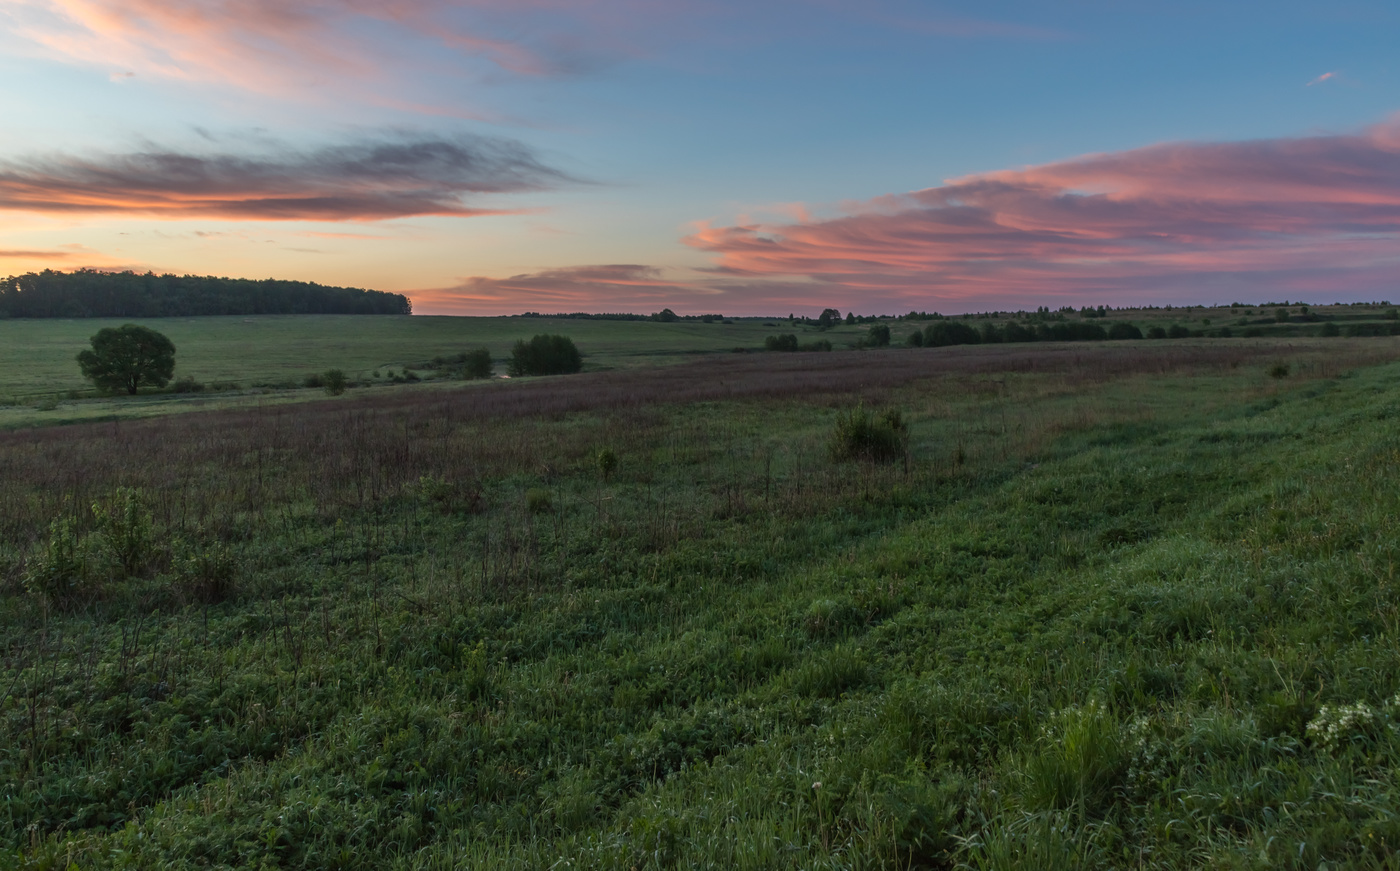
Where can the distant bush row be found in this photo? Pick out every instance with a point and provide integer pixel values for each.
(88, 293)
(788, 342)
(947, 332)
(541, 355)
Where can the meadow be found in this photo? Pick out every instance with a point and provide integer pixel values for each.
(254, 354)
(36, 356)
(1118, 605)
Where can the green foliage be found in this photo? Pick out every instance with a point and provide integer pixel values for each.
(784, 342)
(1079, 764)
(1331, 329)
(127, 358)
(861, 435)
(1279, 370)
(124, 525)
(545, 355)
(334, 382)
(88, 293)
(205, 571)
(187, 384)
(1123, 331)
(1145, 622)
(538, 501)
(878, 336)
(62, 574)
(941, 333)
(1177, 331)
(607, 462)
(1156, 333)
(478, 364)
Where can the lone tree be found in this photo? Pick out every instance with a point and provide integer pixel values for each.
(128, 357)
(545, 355)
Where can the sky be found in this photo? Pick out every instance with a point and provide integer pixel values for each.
(712, 156)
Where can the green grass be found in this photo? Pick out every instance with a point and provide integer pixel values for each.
(1148, 621)
(36, 356)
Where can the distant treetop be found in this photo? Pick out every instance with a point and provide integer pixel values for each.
(88, 293)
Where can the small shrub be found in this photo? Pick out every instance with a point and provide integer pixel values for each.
(1279, 370)
(878, 336)
(1124, 331)
(448, 497)
(477, 364)
(915, 339)
(205, 572)
(545, 355)
(334, 382)
(1177, 331)
(785, 342)
(860, 435)
(124, 525)
(818, 345)
(1330, 329)
(538, 501)
(187, 384)
(1156, 333)
(316, 380)
(607, 463)
(62, 574)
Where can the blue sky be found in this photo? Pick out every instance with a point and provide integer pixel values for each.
(708, 156)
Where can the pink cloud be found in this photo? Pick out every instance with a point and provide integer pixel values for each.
(1322, 78)
(1317, 214)
(311, 49)
(609, 287)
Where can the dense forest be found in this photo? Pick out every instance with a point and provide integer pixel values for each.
(88, 293)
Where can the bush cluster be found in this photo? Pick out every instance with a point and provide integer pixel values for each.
(788, 342)
(545, 355)
(946, 332)
(861, 435)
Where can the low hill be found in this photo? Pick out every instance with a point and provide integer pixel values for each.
(88, 293)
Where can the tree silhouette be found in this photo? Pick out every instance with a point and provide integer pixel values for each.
(127, 358)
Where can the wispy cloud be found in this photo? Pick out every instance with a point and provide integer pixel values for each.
(1318, 214)
(359, 181)
(278, 48)
(1322, 78)
(20, 254)
(611, 287)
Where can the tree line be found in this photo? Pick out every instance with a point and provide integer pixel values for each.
(88, 293)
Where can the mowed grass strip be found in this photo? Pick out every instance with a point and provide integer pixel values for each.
(1112, 612)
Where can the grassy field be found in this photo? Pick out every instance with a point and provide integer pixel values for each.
(37, 356)
(1121, 605)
